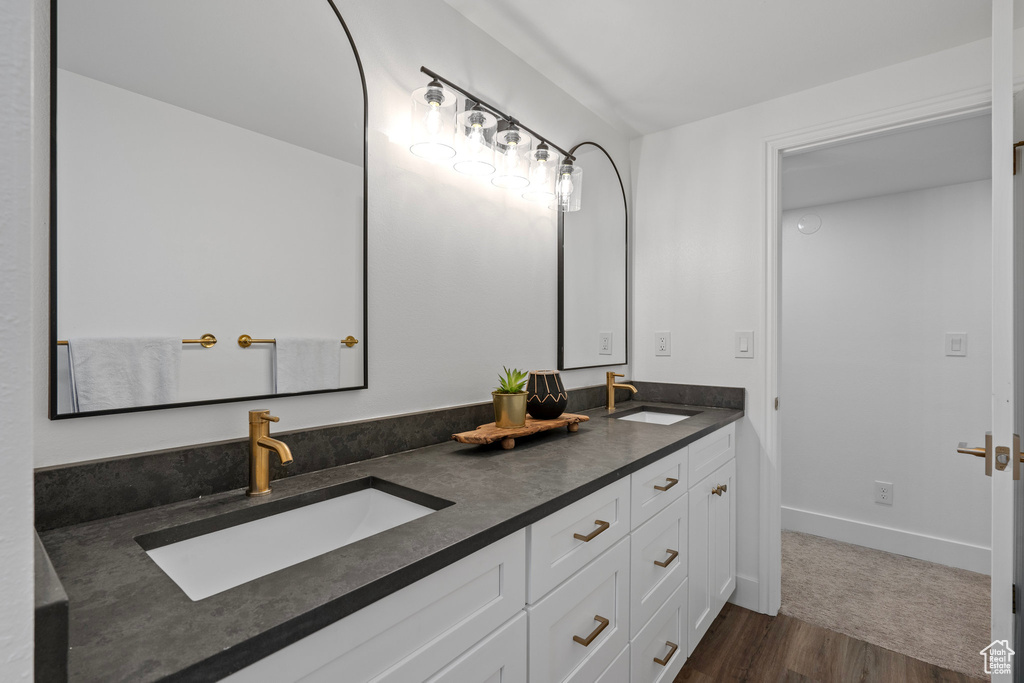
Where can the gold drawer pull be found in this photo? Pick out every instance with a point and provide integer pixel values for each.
(718, 490)
(671, 482)
(724, 488)
(603, 624)
(672, 554)
(664, 662)
(601, 527)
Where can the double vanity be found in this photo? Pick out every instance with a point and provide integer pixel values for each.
(602, 555)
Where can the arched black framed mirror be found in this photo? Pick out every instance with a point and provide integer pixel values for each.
(593, 267)
(208, 177)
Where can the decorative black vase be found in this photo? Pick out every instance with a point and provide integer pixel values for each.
(546, 397)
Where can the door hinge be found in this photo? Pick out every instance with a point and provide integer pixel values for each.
(776, 403)
(1014, 606)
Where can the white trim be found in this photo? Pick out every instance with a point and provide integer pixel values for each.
(747, 593)
(946, 108)
(974, 558)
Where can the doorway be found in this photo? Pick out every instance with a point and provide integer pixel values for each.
(883, 364)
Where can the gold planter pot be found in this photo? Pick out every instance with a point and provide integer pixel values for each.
(509, 410)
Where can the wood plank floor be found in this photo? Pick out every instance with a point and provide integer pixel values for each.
(746, 646)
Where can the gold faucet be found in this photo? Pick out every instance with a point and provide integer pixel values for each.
(260, 445)
(612, 386)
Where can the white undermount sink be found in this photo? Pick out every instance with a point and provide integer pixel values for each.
(213, 561)
(656, 416)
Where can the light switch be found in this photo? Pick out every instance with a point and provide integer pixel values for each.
(956, 344)
(745, 344)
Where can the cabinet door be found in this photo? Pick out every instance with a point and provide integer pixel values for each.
(701, 562)
(723, 512)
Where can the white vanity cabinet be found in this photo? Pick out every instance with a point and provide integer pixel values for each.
(617, 587)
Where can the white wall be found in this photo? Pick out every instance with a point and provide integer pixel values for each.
(22, 210)
(443, 248)
(198, 226)
(700, 238)
(869, 393)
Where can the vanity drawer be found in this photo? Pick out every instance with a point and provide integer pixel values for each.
(414, 632)
(498, 658)
(556, 550)
(577, 609)
(665, 635)
(657, 485)
(662, 539)
(711, 452)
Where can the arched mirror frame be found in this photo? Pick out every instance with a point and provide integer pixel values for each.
(53, 414)
(561, 271)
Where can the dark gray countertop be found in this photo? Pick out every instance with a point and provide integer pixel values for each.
(130, 622)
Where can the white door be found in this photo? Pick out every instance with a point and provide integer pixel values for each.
(1001, 452)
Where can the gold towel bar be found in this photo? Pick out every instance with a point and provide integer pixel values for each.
(207, 340)
(245, 341)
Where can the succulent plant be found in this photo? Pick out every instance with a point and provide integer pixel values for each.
(514, 382)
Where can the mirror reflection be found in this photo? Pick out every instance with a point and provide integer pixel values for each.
(592, 268)
(209, 176)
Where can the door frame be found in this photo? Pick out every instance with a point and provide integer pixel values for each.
(955, 106)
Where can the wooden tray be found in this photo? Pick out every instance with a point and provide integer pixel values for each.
(488, 433)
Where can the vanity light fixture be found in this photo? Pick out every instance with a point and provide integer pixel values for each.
(513, 149)
(433, 122)
(476, 137)
(569, 186)
(481, 151)
(543, 163)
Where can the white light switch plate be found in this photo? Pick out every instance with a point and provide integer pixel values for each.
(662, 343)
(956, 344)
(745, 344)
(604, 343)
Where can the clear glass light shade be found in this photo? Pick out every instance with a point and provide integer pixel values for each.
(512, 158)
(569, 187)
(433, 122)
(476, 139)
(543, 164)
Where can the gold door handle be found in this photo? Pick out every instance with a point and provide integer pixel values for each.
(671, 482)
(664, 662)
(717, 490)
(602, 625)
(602, 526)
(672, 554)
(980, 452)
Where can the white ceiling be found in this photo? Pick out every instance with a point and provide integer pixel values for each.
(285, 70)
(915, 159)
(648, 65)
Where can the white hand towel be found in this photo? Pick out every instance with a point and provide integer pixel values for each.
(303, 364)
(123, 372)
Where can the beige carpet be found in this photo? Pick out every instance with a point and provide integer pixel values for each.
(928, 611)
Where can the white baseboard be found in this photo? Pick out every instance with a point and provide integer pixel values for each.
(746, 594)
(931, 548)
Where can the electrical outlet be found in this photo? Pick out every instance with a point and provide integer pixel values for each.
(662, 343)
(883, 492)
(604, 343)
